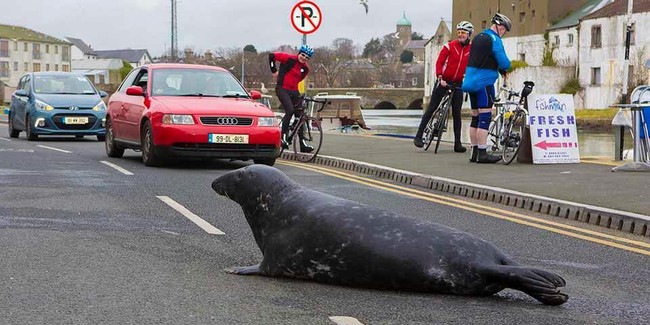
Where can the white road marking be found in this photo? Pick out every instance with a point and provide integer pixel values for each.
(210, 229)
(55, 149)
(118, 168)
(345, 320)
(5, 139)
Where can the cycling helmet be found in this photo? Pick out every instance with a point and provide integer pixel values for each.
(466, 26)
(307, 50)
(501, 19)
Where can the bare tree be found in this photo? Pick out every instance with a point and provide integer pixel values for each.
(327, 63)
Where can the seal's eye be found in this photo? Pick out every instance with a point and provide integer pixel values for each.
(240, 175)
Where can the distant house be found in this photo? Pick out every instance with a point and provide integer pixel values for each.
(81, 50)
(431, 49)
(417, 47)
(135, 57)
(24, 50)
(104, 73)
(414, 75)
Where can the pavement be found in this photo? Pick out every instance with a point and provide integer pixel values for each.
(588, 192)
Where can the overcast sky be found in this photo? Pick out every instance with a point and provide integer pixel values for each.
(210, 24)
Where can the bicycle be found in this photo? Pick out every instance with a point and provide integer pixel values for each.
(439, 119)
(307, 129)
(508, 126)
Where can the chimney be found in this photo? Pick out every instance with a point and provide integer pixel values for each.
(208, 55)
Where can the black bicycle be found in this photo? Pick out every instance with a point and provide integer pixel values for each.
(438, 123)
(306, 133)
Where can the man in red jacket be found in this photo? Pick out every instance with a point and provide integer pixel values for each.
(450, 69)
(293, 69)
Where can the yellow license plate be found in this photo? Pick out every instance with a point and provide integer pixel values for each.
(228, 138)
(75, 120)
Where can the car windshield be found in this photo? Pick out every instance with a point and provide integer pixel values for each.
(196, 82)
(63, 84)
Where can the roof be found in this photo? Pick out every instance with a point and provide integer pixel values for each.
(415, 68)
(127, 55)
(403, 21)
(26, 34)
(83, 47)
(416, 44)
(101, 64)
(573, 19)
(618, 8)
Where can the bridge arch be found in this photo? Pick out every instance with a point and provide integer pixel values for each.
(416, 104)
(385, 105)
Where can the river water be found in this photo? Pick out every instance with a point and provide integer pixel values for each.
(405, 122)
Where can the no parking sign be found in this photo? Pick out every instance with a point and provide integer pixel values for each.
(306, 17)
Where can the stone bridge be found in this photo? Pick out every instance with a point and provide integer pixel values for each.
(376, 98)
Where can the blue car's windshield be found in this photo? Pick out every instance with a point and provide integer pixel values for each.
(195, 82)
(63, 84)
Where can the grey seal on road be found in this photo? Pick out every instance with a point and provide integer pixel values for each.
(310, 235)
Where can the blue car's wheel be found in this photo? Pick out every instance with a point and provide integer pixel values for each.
(31, 136)
(12, 130)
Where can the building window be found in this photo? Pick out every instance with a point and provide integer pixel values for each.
(557, 40)
(25, 47)
(570, 43)
(522, 17)
(56, 67)
(26, 66)
(65, 53)
(596, 42)
(4, 49)
(414, 81)
(440, 39)
(36, 52)
(15, 45)
(532, 14)
(47, 67)
(37, 67)
(47, 48)
(4, 69)
(522, 57)
(484, 24)
(65, 67)
(15, 66)
(56, 49)
(595, 76)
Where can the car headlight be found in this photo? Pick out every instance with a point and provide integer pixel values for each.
(43, 106)
(177, 119)
(267, 121)
(101, 107)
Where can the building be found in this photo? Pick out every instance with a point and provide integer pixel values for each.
(24, 50)
(103, 73)
(602, 50)
(135, 57)
(403, 34)
(431, 49)
(81, 50)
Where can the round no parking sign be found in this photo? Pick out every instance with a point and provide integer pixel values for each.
(306, 17)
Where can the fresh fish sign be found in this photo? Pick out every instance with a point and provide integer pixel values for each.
(553, 129)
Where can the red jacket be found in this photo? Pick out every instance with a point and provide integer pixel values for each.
(452, 61)
(291, 70)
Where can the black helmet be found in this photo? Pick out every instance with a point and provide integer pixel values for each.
(501, 19)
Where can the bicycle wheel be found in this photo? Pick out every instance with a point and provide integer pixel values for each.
(514, 131)
(308, 147)
(430, 131)
(441, 124)
(494, 135)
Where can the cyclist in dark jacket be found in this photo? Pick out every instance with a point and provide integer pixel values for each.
(450, 69)
(293, 69)
(487, 59)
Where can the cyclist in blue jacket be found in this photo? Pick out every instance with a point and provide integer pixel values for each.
(487, 59)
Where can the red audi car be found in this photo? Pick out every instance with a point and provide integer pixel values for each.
(184, 110)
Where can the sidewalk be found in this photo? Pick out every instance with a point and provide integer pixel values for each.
(588, 191)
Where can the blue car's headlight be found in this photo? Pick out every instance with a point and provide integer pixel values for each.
(100, 107)
(267, 121)
(43, 106)
(177, 119)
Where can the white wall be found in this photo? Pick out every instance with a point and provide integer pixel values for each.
(531, 47)
(564, 53)
(21, 56)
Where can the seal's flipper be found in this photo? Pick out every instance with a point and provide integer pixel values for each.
(245, 270)
(541, 285)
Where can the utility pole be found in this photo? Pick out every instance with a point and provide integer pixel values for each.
(174, 51)
(626, 71)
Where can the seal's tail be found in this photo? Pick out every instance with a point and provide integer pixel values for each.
(541, 285)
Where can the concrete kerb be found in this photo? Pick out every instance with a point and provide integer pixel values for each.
(609, 218)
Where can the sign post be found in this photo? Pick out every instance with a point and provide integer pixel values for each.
(553, 132)
(306, 18)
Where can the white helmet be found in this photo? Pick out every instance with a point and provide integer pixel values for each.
(466, 26)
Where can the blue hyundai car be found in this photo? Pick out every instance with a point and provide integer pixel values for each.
(57, 103)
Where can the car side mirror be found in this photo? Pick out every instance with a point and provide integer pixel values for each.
(135, 91)
(256, 94)
(21, 93)
(102, 94)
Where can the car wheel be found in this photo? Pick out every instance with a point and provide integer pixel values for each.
(31, 136)
(149, 157)
(13, 133)
(265, 161)
(101, 137)
(113, 149)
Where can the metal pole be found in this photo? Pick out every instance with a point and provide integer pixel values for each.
(243, 81)
(626, 71)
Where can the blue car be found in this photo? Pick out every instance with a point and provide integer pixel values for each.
(57, 103)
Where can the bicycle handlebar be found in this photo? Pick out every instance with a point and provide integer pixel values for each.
(322, 102)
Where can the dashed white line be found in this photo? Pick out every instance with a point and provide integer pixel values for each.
(210, 229)
(116, 167)
(55, 149)
(345, 320)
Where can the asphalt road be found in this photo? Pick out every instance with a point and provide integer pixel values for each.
(83, 243)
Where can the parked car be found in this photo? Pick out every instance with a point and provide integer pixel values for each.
(182, 110)
(56, 103)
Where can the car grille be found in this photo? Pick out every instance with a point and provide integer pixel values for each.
(227, 120)
(225, 148)
(58, 121)
(78, 108)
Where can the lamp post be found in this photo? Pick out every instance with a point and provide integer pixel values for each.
(243, 55)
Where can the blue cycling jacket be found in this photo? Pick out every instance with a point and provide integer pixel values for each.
(486, 58)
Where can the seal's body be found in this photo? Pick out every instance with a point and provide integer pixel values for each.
(311, 235)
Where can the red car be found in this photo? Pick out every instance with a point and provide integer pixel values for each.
(184, 110)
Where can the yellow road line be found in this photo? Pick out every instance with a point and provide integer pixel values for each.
(484, 210)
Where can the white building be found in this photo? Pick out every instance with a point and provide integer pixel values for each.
(81, 50)
(135, 57)
(602, 50)
(431, 50)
